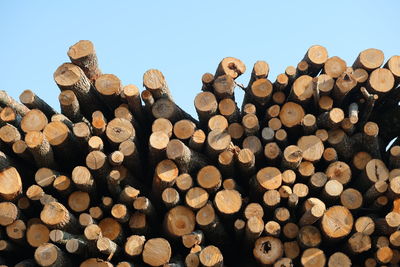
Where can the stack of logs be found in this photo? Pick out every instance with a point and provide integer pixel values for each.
(304, 173)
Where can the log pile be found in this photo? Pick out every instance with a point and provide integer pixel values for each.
(304, 172)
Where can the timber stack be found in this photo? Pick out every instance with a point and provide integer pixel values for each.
(304, 172)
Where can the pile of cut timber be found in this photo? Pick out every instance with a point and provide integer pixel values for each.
(304, 173)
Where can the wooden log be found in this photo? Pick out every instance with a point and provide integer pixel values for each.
(291, 114)
(109, 88)
(309, 236)
(260, 92)
(211, 256)
(16, 231)
(337, 222)
(206, 106)
(210, 224)
(96, 262)
(84, 55)
(217, 122)
(313, 257)
(9, 213)
(34, 120)
(10, 184)
(291, 249)
(71, 77)
(271, 199)
(70, 106)
(393, 65)
(253, 210)
(253, 230)
(344, 85)
(228, 108)
(224, 86)
(217, 141)
(134, 245)
(179, 221)
(132, 95)
(272, 228)
(55, 215)
(351, 199)
(302, 89)
(209, 178)
(316, 56)
(6, 100)
(49, 254)
(267, 250)
(155, 83)
(267, 178)
(32, 101)
(79, 201)
(10, 116)
(292, 157)
(230, 66)
(380, 81)
(107, 247)
(9, 134)
(260, 70)
(207, 80)
(184, 182)
(364, 225)
(281, 215)
(334, 67)
(281, 82)
(332, 191)
(302, 68)
(196, 198)
(170, 197)
(228, 202)
(119, 130)
(369, 59)
(197, 140)
(111, 229)
(166, 108)
(314, 210)
(38, 234)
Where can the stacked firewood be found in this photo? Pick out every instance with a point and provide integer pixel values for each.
(304, 172)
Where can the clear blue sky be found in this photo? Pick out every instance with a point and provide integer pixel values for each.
(184, 39)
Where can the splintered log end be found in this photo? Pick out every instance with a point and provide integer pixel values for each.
(230, 66)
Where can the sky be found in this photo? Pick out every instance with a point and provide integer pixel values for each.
(183, 39)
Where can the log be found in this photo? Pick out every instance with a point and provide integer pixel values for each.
(230, 66)
(50, 255)
(109, 87)
(211, 256)
(156, 84)
(209, 178)
(6, 100)
(71, 77)
(267, 250)
(313, 257)
(32, 101)
(316, 57)
(179, 221)
(369, 59)
(84, 55)
(334, 67)
(337, 222)
(10, 184)
(224, 86)
(291, 114)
